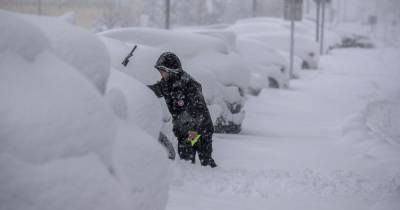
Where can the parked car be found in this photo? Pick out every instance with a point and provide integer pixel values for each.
(349, 40)
(305, 48)
(278, 32)
(306, 27)
(268, 67)
(221, 72)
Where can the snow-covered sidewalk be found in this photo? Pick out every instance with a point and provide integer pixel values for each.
(329, 142)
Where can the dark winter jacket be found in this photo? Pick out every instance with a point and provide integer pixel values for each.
(185, 101)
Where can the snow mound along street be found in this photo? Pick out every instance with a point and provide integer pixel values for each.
(79, 48)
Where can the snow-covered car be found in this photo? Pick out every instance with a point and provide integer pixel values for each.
(60, 141)
(305, 47)
(221, 72)
(276, 34)
(305, 27)
(268, 67)
(349, 40)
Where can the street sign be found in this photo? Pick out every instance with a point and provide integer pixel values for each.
(293, 10)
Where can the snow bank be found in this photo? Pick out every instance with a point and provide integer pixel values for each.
(78, 47)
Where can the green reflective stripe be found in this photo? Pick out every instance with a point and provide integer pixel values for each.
(195, 140)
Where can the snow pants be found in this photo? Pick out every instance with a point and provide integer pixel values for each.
(203, 147)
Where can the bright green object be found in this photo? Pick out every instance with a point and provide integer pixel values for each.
(195, 140)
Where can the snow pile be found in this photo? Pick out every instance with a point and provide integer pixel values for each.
(79, 48)
(61, 146)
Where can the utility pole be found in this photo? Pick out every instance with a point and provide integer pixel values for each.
(254, 8)
(167, 13)
(39, 7)
(292, 28)
(317, 24)
(323, 27)
(293, 11)
(344, 10)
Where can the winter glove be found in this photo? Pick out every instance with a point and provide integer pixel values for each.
(193, 137)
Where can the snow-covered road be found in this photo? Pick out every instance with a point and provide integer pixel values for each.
(329, 142)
